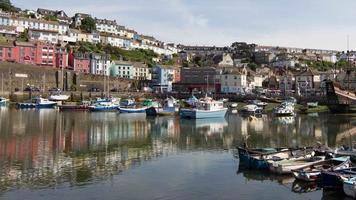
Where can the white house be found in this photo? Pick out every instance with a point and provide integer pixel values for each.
(106, 26)
(99, 64)
(78, 17)
(226, 61)
(43, 35)
(232, 82)
(122, 69)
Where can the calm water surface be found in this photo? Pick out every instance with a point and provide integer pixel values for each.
(46, 154)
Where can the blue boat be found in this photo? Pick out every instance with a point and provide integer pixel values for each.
(205, 108)
(257, 158)
(103, 107)
(333, 179)
(132, 110)
(37, 103)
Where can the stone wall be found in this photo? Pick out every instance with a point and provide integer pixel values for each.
(45, 78)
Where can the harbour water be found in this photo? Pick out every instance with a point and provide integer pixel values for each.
(47, 154)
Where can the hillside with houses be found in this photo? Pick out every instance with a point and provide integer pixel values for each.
(85, 44)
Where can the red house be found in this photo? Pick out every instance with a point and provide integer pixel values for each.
(79, 62)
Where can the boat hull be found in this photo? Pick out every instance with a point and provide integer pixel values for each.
(152, 111)
(103, 109)
(349, 189)
(73, 108)
(33, 105)
(201, 114)
(132, 110)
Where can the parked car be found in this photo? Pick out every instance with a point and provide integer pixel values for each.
(54, 90)
(32, 89)
(94, 90)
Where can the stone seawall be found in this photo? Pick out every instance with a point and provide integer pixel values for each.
(16, 77)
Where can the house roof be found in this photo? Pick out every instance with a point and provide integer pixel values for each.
(25, 44)
(307, 72)
(46, 31)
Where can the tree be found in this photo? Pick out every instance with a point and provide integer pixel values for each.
(6, 5)
(88, 25)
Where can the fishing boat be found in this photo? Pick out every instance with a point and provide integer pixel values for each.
(258, 158)
(286, 166)
(169, 108)
(334, 179)
(103, 107)
(251, 109)
(3, 101)
(313, 172)
(128, 103)
(192, 101)
(349, 186)
(285, 109)
(58, 97)
(205, 108)
(37, 103)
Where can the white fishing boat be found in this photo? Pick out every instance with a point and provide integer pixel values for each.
(205, 108)
(234, 105)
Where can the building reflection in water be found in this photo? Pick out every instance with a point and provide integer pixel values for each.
(46, 147)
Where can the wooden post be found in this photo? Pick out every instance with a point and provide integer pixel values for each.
(2, 83)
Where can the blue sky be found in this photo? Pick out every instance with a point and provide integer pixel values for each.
(296, 23)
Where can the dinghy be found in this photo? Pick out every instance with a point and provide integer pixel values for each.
(313, 172)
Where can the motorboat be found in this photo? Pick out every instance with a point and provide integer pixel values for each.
(251, 109)
(37, 103)
(170, 107)
(205, 108)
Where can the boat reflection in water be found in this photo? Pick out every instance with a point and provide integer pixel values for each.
(305, 187)
(47, 148)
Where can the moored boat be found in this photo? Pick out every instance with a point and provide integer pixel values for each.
(3, 101)
(286, 166)
(132, 110)
(251, 109)
(258, 158)
(37, 103)
(285, 109)
(169, 108)
(334, 179)
(313, 172)
(205, 108)
(58, 97)
(103, 107)
(349, 186)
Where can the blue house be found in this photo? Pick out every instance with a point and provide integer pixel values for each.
(162, 78)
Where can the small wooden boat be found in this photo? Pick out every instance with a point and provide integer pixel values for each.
(286, 166)
(334, 179)
(313, 172)
(258, 158)
(349, 186)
